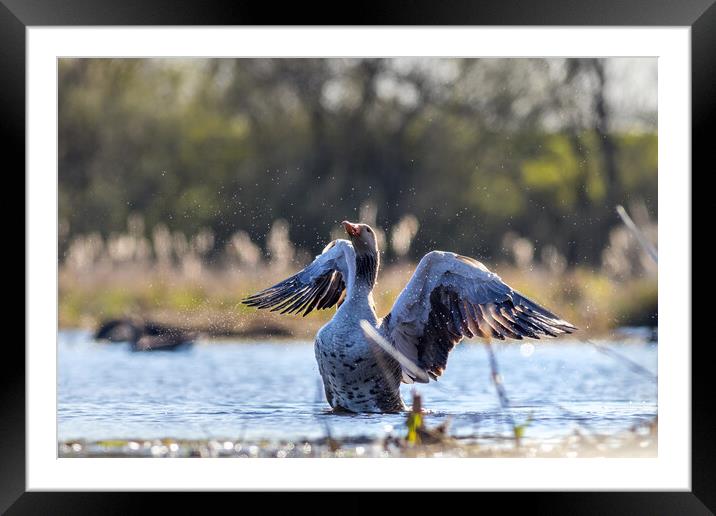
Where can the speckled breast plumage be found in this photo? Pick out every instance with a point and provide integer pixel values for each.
(358, 377)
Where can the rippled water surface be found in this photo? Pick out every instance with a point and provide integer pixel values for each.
(272, 390)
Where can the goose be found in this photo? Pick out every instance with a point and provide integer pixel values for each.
(449, 297)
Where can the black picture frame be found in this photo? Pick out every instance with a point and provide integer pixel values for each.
(17, 15)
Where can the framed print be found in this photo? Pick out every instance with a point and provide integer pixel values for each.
(263, 255)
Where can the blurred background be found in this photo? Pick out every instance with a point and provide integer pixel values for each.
(186, 184)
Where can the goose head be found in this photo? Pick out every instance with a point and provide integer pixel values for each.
(362, 237)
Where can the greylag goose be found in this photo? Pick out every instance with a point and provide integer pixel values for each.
(449, 297)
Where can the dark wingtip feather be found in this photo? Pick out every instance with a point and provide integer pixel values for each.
(296, 296)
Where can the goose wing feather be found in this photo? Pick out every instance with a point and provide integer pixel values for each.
(450, 297)
(320, 285)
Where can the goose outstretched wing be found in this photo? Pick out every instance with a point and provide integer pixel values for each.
(320, 285)
(450, 297)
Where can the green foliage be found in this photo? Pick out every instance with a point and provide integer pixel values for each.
(555, 172)
(236, 144)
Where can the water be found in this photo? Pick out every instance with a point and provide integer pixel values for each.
(271, 390)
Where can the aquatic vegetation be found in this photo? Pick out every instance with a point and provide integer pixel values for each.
(634, 442)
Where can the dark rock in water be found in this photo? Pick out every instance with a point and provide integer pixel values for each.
(167, 342)
(120, 330)
(145, 335)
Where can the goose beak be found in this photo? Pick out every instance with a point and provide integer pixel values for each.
(352, 229)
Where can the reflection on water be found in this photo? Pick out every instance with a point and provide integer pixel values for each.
(272, 390)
